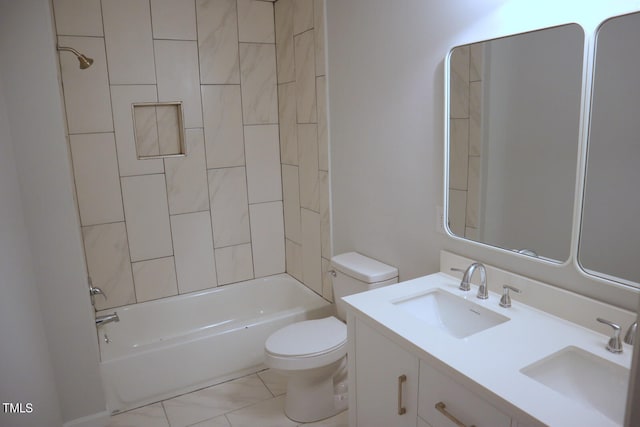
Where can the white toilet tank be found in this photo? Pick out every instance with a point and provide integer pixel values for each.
(356, 273)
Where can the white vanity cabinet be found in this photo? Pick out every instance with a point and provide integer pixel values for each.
(455, 403)
(391, 386)
(386, 381)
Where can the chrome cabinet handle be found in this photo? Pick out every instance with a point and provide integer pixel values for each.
(442, 408)
(401, 380)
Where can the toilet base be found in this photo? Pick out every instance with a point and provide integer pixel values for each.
(314, 395)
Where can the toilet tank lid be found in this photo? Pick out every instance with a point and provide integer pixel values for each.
(363, 268)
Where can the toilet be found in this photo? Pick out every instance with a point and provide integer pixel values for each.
(312, 353)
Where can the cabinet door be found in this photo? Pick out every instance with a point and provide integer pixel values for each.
(386, 381)
(460, 404)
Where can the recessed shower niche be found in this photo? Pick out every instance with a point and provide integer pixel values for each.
(159, 129)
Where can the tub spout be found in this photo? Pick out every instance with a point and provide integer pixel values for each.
(107, 318)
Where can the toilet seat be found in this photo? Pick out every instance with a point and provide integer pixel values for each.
(306, 345)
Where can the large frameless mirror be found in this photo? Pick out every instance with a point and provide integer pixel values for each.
(513, 134)
(610, 231)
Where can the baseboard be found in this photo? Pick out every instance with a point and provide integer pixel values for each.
(101, 419)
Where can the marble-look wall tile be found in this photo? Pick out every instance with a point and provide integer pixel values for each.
(187, 177)
(86, 92)
(108, 262)
(308, 173)
(458, 153)
(475, 121)
(173, 19)
(95, 168)
(323, 133)
(288, 126)
(302, 16)
(291, 198)
(294, 259)
(457, 208)
(327, 283)
(263, 163)
(168, 129)
(154, 279)
(223, 131)
(147, 216)
(234, 264)
(267, 238)
(471, 233)
(325, 215)
(473, 194)
(178, 77)
(122, 97)
(193, 248)
(459, 84)
(319, 28)
(476, 62)
(259, 84)
(304, 52)
(255, 21)
(127, 31)
(311, 250)
(284, 40)
(229, 206)
(218, 41)
(146, 131)
(78, 17)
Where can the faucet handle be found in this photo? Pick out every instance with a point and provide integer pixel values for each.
(615, 344)
(505, 301)
(630, 336)
(94, 290)
(464, 284)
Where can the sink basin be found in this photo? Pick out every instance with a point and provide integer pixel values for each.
(585, 378)
(457, 316)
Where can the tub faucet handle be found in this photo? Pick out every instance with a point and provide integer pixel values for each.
(615, 344)
(94, 290)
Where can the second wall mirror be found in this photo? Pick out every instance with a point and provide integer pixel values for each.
(514, 128)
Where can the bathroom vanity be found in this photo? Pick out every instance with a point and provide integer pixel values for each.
(425, 353)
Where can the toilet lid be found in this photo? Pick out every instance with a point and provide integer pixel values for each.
(307, 338)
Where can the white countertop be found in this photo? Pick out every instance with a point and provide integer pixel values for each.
(494, 357)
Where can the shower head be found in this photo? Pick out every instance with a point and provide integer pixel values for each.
(85, 61)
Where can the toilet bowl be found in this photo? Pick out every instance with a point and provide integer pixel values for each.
(312, 354)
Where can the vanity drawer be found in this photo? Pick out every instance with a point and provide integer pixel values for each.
(460, 403)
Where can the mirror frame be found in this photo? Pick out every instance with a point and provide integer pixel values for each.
(585, 140)
(580, 152)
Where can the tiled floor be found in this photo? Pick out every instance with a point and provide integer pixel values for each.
(256, 400)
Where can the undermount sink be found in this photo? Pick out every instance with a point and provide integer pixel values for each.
(457, 316)
(585, 378)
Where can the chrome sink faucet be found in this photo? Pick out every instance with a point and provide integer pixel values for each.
(631, 333)
(465, 284)
(614, 345)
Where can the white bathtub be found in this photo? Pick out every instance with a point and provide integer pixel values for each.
(175, 345)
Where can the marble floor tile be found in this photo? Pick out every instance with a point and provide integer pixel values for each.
(340, 420)
(269, 413)
(220, 421)
(211, 402)
(147, 416)
(275, 382)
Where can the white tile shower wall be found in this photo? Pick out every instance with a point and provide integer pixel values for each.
(155, 228)
(304, 142)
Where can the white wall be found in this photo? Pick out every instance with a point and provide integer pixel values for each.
(386, 120)
(34, 113)
(26, 374)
